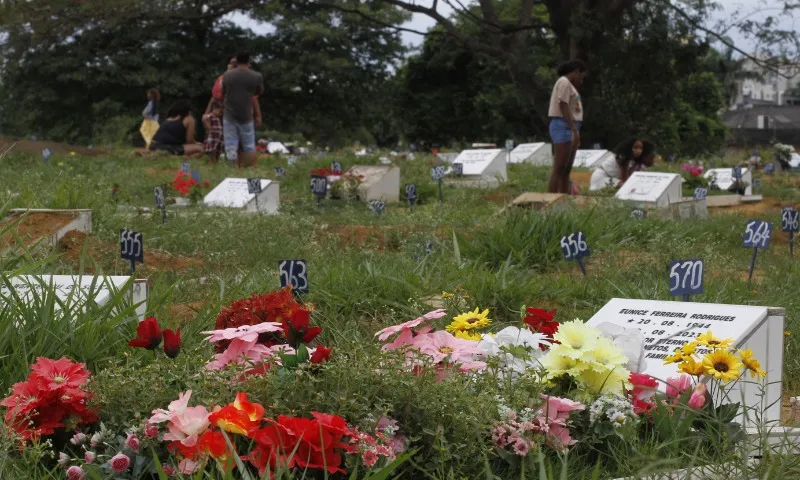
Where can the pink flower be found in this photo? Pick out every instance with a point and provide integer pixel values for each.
(188, 426)
(132, 442)
(239, 352)
(370, 458)
(698, 398)
(75, 473)
(558, 408)
(187, 467)
(558, 437)
(247, 333)
(120, 462)
(169, 470)
(63, 459)
(151, 431)
(442, 345)
(89, 457)
(78, 439)
(521, 447)
(389, 331)
(677, 385)
(176, 407)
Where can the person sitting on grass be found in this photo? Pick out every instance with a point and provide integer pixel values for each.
(214, 140)
(177, 134)
(632, 155)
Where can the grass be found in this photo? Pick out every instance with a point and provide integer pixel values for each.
(365, 272)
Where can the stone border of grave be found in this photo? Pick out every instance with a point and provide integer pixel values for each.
(82, 222)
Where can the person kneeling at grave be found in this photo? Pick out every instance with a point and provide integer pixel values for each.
(632, 155)
(177, 134)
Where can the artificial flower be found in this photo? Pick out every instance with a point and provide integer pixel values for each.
(644, 388)
(185, 423)
(132, 442)
(387, 332)
(321, 354)
(148, 334)
(183, 183)
(751, 363)
(630, 342)
(120, 462)
(677, 385)
(467, 335)
(698, 398)
(709, 340)
(172, 342)
(541, 321)
(75, 473)
(605, 381)
(254, 411)
(442, 346)
(245, 333)
(89, 457)
(722, 365)
(469, 320)
(676, 357)
(54, 375)
(576, 338)
(605, 353)
(297, 330)
(232, 420)
(692, 367)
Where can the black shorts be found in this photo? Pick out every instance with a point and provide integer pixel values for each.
(173, 149)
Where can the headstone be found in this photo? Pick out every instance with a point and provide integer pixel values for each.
(539, 154)
(651, 188)
(233, 193)
(489, 163)
(794, 161)
(448, 157)
(509, 144)
(724, 178)
(590, 158)
(379, 182)
(669, 325)
(82, 288)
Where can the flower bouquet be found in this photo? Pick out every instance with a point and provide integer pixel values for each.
(693, 176)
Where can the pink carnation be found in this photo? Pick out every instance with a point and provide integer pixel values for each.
(120, 462)
(75, 473)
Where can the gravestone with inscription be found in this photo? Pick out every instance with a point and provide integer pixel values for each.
(380, 182)
(488, 165)
(667, 326)
(651, 188)
(76, 290)
(539, 154)
(591, 158)
(234, 193)
(723, 177)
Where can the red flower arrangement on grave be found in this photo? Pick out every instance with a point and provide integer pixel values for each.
(644, 389)
(183, 183)
(149, 336)
(275, 306)
(541, 321)
(53, 397)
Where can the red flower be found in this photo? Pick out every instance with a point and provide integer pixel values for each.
(269, 307)
(183, 183)
(323, 172)
(541, 321)
(297, 328)
(172, 342)
(644, 387)
(321, 354)
(58, 374)
(255, 411)
(148, 334)
(240, 417)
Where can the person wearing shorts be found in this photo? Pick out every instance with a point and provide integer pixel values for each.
(239, 86)
(176, 134)
(566, 116)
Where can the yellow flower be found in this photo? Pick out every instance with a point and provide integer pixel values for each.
(692, 367)
(676, 357)
(710, 341)
(605, 354)
(607, 381)
(577, 338)
(469, 321)
(689, 348)
(751, 363)
(722, 365)
(446, 294)
(556, 363)
(468, 335)
(787, 333)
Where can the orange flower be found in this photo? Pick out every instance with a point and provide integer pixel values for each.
(253, 410)
(239, 417)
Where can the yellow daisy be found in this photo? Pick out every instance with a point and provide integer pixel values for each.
(692, 367)
(466, 335)
(469, 321)
(722, 365)
(676, 357)
(751, 363)
(689, 348)
(709, 340)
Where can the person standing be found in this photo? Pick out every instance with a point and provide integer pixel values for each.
(149, 125)
(239, 86)
(566, 116)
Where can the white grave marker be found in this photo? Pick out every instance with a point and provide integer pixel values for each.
(233, 193)
(590, 158)
(724, 178)
(379, 182)
(448, 157)
(660, 189)
(794, 162)
(277, 147)
(669, 325)
(82, 289)
(484, 163)
(539, 154)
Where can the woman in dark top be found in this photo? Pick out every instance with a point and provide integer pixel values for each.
(632, 155)
(176, 134)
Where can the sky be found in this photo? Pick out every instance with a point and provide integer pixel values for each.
(731, 9)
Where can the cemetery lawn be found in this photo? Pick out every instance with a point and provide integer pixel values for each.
(367, 272)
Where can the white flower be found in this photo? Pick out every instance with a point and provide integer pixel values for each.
(630, 341)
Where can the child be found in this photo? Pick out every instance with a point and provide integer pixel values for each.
(150, 111)
(213, 122)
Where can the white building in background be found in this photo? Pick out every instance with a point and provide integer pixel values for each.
(770, 88)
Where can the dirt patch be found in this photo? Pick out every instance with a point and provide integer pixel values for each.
(582, 179)
(35, 147)
(766, 207)
(74, 243)
(183, 313)
(381, 237)
(34, 226)
(499, 198)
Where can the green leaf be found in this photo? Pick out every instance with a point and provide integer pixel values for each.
(726, 413)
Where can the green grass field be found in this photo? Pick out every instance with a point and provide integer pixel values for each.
(367, 272)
